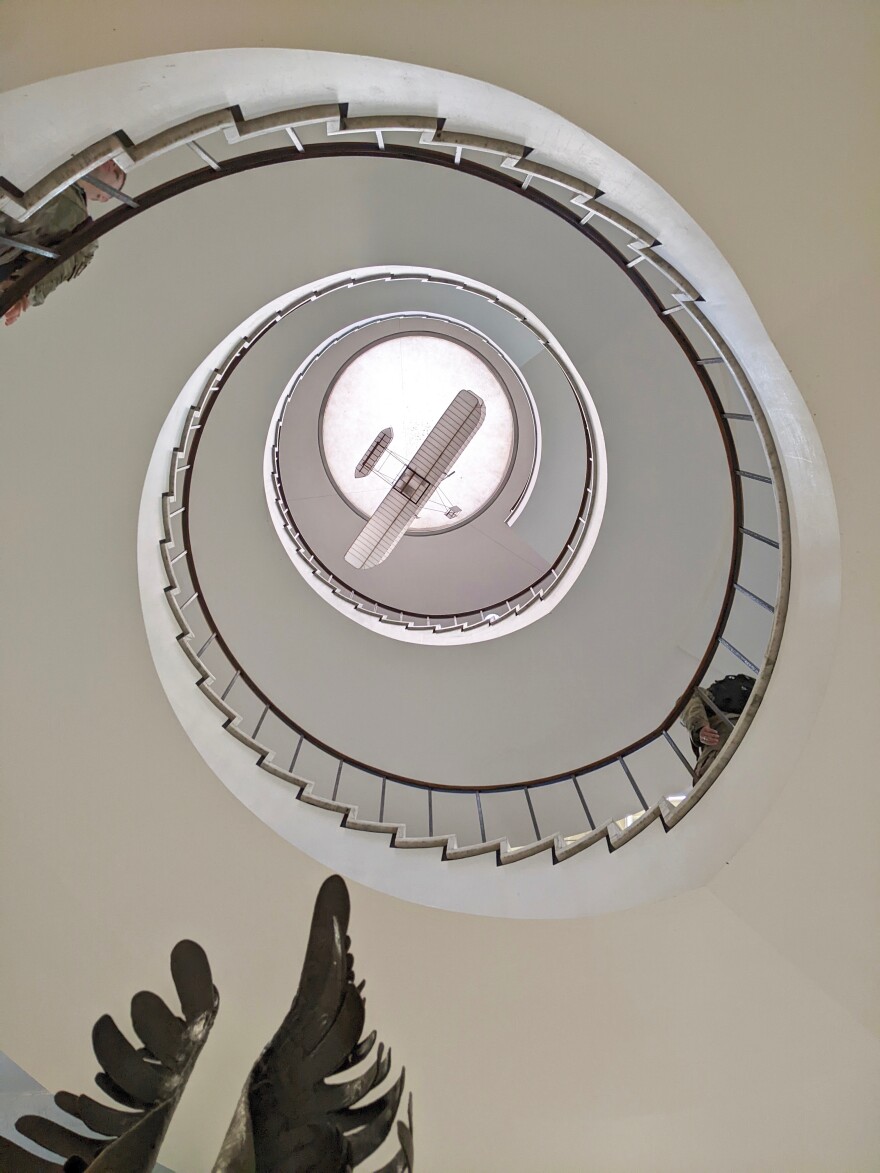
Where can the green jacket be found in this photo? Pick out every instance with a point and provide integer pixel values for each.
(49, 226)
(697, 713)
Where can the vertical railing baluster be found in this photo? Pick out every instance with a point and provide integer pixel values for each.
(113, 192)
(580, 795)
(480, 815)
(532, 812)
(679, 754)
(382, 801)
(759, 537)
(633, 783)
(336, 783)
(755, 598)
(259, 724)
(199, 150)
(37, 250)
(207, 642)
(734, 652)
(430, 814)
(295, 754)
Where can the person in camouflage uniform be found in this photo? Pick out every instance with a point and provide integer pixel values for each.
(709, 731)
(49, 226)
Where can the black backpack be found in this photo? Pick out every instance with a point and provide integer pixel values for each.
(731, 693)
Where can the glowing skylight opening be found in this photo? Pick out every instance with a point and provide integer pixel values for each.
(405, 383)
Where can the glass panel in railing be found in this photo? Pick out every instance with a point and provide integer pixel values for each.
(361, 789)
(408, 805)
(657, 770)
(558, 808)
(506, 816)
(315, 765)
(455, 813)
(609, 794)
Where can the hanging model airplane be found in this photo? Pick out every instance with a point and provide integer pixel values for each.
(420, 478)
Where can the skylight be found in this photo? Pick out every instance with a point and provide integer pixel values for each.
(405, 383)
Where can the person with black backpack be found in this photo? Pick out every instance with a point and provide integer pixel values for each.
(710, 715)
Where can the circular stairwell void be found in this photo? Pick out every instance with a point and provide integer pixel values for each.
(647, 249)
(585, 802)
(481, 575)
(606, 800)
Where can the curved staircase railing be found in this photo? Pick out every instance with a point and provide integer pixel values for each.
(365, 797)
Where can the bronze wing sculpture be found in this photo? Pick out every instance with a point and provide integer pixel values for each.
(148, 1081)
(289, 1118)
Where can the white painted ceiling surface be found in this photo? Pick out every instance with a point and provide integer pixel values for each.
(610, 661)
(733, 1027)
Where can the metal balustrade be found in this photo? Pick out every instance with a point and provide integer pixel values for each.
(610, 800)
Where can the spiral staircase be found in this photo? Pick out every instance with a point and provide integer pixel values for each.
(238, 646)
(554, 813)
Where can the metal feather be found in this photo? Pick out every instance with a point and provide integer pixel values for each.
(290, 1118)
(149, 1080)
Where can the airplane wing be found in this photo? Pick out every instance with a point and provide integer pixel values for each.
(449, 437)
(443, 445)
(377, 449)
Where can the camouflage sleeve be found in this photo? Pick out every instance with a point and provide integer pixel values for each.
(694, 716)
(66, 271)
